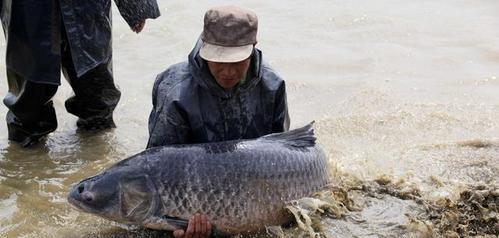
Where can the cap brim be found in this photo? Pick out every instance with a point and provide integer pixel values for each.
(223, 54)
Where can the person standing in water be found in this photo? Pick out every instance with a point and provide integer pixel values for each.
(45, 36)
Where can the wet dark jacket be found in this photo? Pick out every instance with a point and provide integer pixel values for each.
(33, 32)
(190, 107)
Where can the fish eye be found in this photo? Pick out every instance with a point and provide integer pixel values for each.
(81, 187)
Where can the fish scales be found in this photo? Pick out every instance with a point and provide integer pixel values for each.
(235, 187)
(242, 186)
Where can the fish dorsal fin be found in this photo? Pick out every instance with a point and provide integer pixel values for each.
(300, 137)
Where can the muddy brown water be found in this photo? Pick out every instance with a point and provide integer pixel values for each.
(405, 95)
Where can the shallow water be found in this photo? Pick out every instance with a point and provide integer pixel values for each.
(401, 90)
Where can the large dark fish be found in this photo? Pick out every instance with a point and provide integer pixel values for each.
(242, 185)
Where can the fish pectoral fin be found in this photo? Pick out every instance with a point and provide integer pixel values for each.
(165, 223)
(182, 224)
(175, 221)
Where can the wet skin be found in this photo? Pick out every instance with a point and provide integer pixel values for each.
(198, 227)
(228, 75)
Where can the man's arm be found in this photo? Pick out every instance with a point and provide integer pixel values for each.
(135, 12)
(166, 123)
(281, 116)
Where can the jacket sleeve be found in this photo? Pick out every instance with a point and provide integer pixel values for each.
(167, 124)
(135, 11)
(281, 116)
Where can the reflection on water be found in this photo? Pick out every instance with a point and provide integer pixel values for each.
(403, 94)
(34, 181)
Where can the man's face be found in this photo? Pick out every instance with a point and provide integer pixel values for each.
(229, 75)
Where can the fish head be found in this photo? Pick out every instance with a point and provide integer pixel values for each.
(123, 195)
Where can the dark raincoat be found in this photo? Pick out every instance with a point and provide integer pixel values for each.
(33, 32)
(190, 107)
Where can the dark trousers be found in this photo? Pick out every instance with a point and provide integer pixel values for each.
(31, 114)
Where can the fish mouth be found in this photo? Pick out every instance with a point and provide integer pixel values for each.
(78, 205)
(75, 204)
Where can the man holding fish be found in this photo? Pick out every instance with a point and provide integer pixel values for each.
(223, 92)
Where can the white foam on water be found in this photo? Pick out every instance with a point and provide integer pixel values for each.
(397, 88)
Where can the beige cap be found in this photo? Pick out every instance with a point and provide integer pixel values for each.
(229, 34)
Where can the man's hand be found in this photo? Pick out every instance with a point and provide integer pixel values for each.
(198, 227)
(138, 28)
